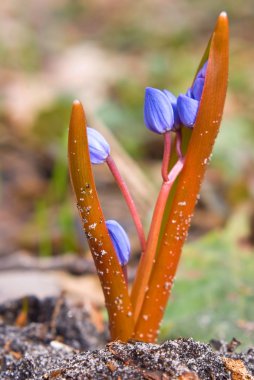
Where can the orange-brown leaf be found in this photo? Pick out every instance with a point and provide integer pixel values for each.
(107, 265)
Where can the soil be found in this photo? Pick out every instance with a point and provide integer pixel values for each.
(51, 340)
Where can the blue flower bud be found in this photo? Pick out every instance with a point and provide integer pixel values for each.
(195, 92)
(202, 71)
(197, 88)
(189, 93)
(173, 100)
(120, 241)
(187, 109)
(158, 111)
(171, 97)
(98, 147)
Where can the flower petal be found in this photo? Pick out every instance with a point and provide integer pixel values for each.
(120, 241)
(188, 93)
(202, 71)
(197, 88)
(171, 97)
(173, 100)
(98, 147)
(158, 112)
(187, 109)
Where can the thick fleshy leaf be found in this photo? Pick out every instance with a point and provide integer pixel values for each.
(187, 110)
(108, 267)
(98, 147)
(183, 200)
(120, 241)
(145, 265)
(158, 112)
(186, 136)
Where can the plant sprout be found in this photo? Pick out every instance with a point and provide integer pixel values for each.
(189, 124)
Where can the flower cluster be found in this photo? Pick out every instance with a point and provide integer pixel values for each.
(163, 111)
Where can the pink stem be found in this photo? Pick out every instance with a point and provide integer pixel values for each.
(166, 156)
(129, 201)
(179, 144)
(175, 171)
(160, 206)
(147, 259)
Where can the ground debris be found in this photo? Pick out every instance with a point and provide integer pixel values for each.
(53, 346)
(181, 359)
(237, 369)
(188, 376)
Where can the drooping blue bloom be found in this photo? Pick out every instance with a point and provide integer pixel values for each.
(120, 241)
(188, 92)
(187, 105)
(197, 88)
(98, 147)
(198, 85)
(158, 111)
(173, 100)
(187, 109)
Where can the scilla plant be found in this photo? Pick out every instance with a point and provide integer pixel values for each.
(189, 124)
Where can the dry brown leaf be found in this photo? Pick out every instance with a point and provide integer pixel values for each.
(188, 376)
(237, 369)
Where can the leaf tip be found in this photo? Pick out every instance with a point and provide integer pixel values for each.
(223, 15)
(77, 114)
(222, 21)
(76, 102)
(222, 26)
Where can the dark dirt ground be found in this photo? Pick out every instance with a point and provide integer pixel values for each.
(51, 340)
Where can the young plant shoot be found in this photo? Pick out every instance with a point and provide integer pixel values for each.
(189, 124)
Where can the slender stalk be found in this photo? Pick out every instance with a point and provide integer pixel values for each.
(179, 143)
(129, 201)
(147, 259)
(166, 156)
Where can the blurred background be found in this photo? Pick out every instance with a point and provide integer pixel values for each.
(105, 53)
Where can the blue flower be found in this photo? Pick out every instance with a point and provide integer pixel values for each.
(202, 71)
(98, 147)
(173, 100)
(187, 105)
(187, 109)
(197, 88)
(158, 111)
(120, 241)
